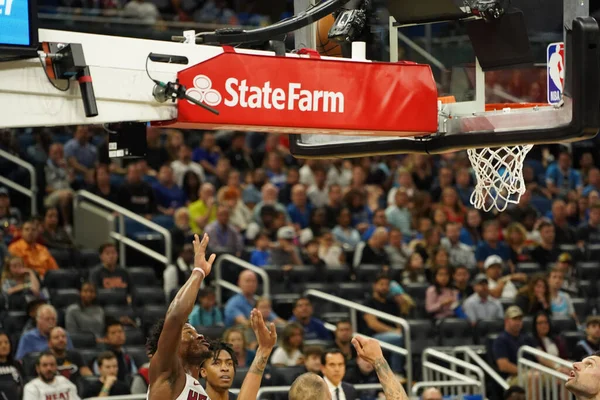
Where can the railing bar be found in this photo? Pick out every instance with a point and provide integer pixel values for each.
(19, 188)
(124, 240)
(543, 368)
(484, 365)
(449, 372)
(133, 216)
(32, 179)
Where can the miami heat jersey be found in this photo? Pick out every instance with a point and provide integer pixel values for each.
(192, 390)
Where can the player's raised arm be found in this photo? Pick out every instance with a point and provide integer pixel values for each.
(370, 350)
(166, 358)
(267, 338)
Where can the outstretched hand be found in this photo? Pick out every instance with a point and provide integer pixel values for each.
(265, 336)
(368, 349)
(200, 255)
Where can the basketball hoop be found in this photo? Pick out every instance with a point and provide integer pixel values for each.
(499, 175)
(499, 171)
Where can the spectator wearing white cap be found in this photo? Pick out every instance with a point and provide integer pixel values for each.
(480, 305)
(501, 286)
(287, 253)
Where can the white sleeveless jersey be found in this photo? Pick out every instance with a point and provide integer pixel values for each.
(192, 390)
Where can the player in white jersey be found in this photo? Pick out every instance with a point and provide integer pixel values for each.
(49, 385)
(176, 347)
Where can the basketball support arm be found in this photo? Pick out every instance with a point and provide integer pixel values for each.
(124, 93)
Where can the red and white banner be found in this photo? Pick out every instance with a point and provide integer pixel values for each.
(309, 95)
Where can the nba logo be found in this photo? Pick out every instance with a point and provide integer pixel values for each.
(555, 71)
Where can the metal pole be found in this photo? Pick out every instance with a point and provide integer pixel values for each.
(122, 248)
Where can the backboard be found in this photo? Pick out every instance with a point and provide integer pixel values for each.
(470, 121)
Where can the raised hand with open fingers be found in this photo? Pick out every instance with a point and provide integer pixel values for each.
(200, 255)
(265, 336)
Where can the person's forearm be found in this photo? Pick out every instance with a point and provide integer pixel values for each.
(251, 384)
(392, 388)
(184, 300)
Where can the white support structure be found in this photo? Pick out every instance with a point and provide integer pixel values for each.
(118, 69)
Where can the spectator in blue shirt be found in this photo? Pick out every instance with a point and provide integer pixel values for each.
(261, 255)
(593, 183)
(507, 344)
(491, 244)
(314, 329)
(36, 340)
(206, 313)
(238, 308)
(168, 196)
(299, 209)
(81, 155)
(561, 178)
(207, 154)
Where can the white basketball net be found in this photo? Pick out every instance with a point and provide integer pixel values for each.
(499, 174)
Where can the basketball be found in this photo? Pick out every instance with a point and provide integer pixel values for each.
(325, 46)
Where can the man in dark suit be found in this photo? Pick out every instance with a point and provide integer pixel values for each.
(333, 367)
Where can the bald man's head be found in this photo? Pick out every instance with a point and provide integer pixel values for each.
(431, 394)
(309, 386)
(248, 282)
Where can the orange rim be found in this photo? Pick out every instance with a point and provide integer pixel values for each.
(501, 106)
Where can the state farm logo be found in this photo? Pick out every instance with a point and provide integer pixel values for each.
(203, 91)
(292, 97)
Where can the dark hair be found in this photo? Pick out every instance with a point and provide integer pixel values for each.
(343, 321)
(205, 292)
(331, 351)
(9, 357)
(513, 390)
(313, 351)
(438, 288)
(110, 321)
(154, 335)
(544, 224)
(105, 246)
(105, 355)
(215, 349)
(380, 277)
(45, 353)
(535, 330)
(301, 298)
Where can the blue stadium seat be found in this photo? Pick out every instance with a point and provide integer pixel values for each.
(529, 268)
(88, 355)
(455, 332)
(302, 273)
(118, 311)
(422, 334)
(563, 324)
(62, 279)
(354, 290)
(542, 204)
(588, 289)
(62, 257)
(571, 338)
(107, 297)
(581, 308)
(62, 298)
(166, 221)
(211, 332)
(486, 327)
(151, 314)
(142, 276)
(588, 270)
(138, 353)
(89, 258)
(367, 272)
(338, 274)
(149, 295)
(134, 337)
